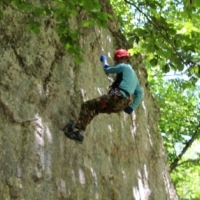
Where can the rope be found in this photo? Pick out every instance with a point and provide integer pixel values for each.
(97, 39)
(139, 161)
(101, 51)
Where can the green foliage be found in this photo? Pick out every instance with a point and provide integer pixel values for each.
(186, 176)
(22, 5)
(1, 14)
(62, 11)
(178, 100)
(164, 32)
(33, 26)
(180, 113)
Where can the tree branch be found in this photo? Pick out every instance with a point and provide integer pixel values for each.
(194, 161)
(158, 29)
(174, 164)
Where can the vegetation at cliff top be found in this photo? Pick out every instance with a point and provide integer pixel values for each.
(61, 11)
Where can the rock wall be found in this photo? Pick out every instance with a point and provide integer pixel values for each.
(41, 88)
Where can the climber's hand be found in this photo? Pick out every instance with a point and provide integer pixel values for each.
(104, 62)
(128, 110)
(103, 58)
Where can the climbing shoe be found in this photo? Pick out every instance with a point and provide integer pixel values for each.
(73, 133)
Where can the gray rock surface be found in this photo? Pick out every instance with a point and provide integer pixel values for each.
(41, 88)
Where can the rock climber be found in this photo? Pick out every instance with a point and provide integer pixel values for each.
(118, 98)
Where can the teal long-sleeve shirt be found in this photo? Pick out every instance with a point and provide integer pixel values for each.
(128, 81)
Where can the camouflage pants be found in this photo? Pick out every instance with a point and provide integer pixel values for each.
(113, 102)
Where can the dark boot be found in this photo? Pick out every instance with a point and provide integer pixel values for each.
(73, 133)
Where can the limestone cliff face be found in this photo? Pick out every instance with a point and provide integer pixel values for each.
(41, 88)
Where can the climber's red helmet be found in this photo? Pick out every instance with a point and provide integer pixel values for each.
(121, 53)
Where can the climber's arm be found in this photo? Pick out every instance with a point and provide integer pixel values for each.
(136, 101)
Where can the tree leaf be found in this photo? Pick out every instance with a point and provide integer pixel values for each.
(22, 5)
(154, 61)
(86, 23)
(36, 29)
(166, 68)
(38, 11)
(1, 14)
